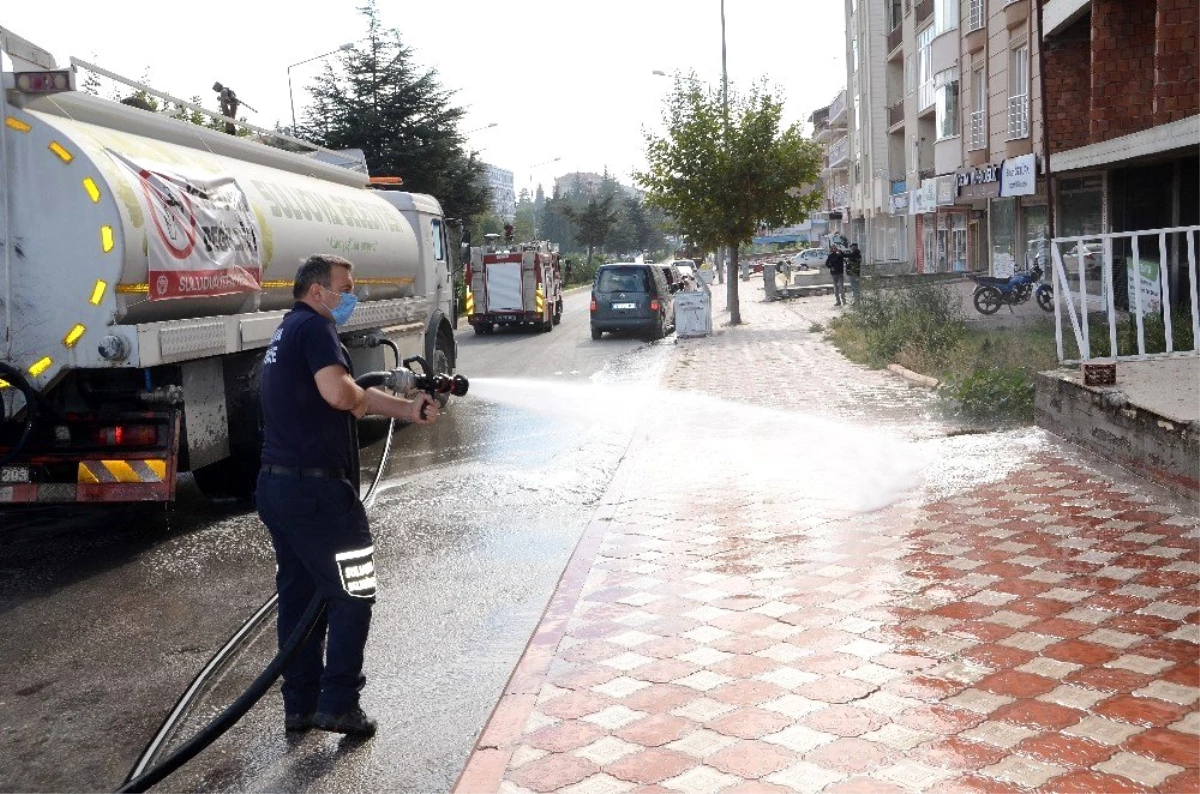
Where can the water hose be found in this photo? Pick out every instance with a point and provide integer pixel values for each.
(139, 779)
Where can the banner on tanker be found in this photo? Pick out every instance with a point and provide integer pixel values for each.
(203, 237)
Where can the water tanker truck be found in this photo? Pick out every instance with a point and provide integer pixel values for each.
(145, 264)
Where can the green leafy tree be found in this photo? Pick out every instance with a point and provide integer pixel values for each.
(593, 223)
(523, 222)
(555, 226)
(719, 174)
(375, 97)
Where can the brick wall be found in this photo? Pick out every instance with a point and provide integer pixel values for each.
(1068, 57)
(1123, 45)
(1177, 68)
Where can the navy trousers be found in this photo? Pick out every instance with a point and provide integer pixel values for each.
(323, 545)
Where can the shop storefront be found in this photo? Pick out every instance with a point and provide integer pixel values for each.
(941, 225)
(1007, 224)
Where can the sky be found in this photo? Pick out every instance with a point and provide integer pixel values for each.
(569, 85)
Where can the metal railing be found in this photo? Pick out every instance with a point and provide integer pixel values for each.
(926, 95)
(895, 37)
(977, 130)
(975, 18)
(1018, 116)
(839, 152)
(837, 107)
(896, 113)
(1148, 286)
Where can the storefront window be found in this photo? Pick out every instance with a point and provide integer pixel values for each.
(929, 235)
(958, 241)
(1003, 219)
(1036, 236)
(1081, 206)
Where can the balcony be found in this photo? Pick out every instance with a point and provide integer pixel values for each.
(977, 130)
(896, 114)
(1018, 116)
(895, 38)
(926, 94)
(839, 197)
(837, 109)
(839, 153)
(924, 10)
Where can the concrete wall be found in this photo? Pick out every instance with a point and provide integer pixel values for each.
(1139, 440)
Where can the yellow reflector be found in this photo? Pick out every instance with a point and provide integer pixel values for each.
(3, 384)
(93, 192)
(62, 153)
(106, 238)
(17, 124)
(98, 292)
(73, 335)
(40, 366)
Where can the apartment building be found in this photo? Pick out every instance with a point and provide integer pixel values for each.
(1123, 122)
(958, 85)
(504, 198)
(829, 130)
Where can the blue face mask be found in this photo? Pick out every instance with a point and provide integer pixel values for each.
(341, 312)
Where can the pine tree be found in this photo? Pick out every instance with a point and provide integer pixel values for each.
(378, 99)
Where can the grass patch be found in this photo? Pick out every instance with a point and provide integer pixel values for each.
(987, 375)
(816, 328)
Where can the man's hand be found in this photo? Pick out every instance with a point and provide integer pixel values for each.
(424, 409)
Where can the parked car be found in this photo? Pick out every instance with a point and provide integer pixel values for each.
(631, 297)
(810, 258)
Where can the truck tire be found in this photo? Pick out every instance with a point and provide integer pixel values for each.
(558, 309)
(596, 332)
(441, 364)
(235, 477)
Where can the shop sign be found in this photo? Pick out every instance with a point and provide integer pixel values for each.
(929, 195)
(979, 183)
(1019, 176)
(914, 202)
(946, 190)
(900, 203)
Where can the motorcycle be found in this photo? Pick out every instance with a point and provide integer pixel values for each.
(991, 293)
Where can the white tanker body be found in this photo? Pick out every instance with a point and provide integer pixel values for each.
(147, 262)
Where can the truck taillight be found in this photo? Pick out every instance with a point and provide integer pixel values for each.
(654, 305)
(593, 306)
(127, 436)
(44, 82)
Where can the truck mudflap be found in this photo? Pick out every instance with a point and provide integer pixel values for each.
(126, 457)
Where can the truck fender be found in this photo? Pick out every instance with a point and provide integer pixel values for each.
(439, 324)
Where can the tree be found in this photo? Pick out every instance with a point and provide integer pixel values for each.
(376, 98)
(593, 223)
(720, 174)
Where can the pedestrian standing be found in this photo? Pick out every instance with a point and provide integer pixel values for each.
(854, 268)
(308, 496)
(836, 262)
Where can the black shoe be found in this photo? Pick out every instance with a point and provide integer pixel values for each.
(352, 723)
(298, 723)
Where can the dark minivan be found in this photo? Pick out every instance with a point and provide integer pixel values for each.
(631, 297)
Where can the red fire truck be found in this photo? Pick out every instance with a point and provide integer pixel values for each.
(514, 284)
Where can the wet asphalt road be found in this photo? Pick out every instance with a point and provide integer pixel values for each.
(107, 616)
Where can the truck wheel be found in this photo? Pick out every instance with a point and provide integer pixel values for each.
(557, 313)
(596, 332)
(441, 364)
(235, 477)
(479, 329)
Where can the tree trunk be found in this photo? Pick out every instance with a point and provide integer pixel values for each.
(589, 259)
(731, 287)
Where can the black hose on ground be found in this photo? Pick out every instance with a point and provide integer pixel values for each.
(140, 781)
(236, 710)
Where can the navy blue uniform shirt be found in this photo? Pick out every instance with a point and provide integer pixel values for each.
(301, 428)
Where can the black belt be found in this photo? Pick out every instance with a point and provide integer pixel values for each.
(306, 472)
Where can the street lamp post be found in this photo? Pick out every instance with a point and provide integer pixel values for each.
(291, 100)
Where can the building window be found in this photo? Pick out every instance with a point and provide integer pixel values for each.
(975, 18)
(977, 138)
(895, 14)
(945, 15)
(946, 97)
(1003, 218)
(1018, 94)
(925, 68)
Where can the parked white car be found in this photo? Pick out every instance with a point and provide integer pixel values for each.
(810, 258)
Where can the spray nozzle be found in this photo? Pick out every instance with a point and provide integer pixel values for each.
(404, 380)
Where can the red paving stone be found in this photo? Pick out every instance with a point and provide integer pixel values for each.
(957, 642)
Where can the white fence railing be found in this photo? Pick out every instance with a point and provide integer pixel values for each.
(1148, 287)
(1018, 116)
(976, 138)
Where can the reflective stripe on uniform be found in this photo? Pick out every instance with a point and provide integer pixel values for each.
(357, 570)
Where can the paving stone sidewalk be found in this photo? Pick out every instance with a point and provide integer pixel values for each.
(1036, 629)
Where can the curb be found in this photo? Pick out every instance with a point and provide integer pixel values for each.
(914, 377)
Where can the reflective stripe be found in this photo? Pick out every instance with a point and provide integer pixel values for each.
(357, 571)
(108, 471)
(354, 555)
